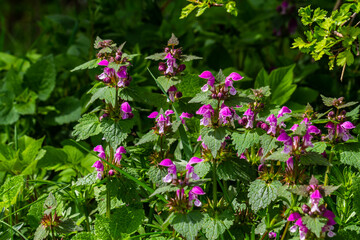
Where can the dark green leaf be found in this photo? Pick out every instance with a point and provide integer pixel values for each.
(213, 138)
(314, 224)
(115, 132)
(245, 140)
(125, 220)
(214, 227)
(88, 65)
(313, 158)
(261, 194)
(235, 169)
(89, 125)
(188, 225)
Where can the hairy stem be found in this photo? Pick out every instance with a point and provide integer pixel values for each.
(328, 168)
(108, 202)
(285, 231)
(214, 178)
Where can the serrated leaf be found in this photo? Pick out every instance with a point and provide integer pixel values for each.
(156, 56)
(97, 41)
(148, 137)
(102, 228)
(190, 85)
(314, 224)
(187, 58)
(41, 233)
(328, 101)
(41, 77)
(84, 236)
(267, 143)
(88, 65)
(213, 228)
(300, 190)
(235, 169)
(87, 180)
(89, 125)
(356, 191)
(220, 77)
(50, 202)
(202, 97)
(350, 154)
(173, 40)
(319, 147)
(105, 93)
(213, 138)
(188, 225)
(164, 189)
(262, 194)
(125, 220)
(245, 140)
(330, 189)
(313, 158)
(348, 104)
(115, 132)
(156, 175)
(166, 82)
(10, 190)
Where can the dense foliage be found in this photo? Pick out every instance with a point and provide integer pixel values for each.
(122, 121)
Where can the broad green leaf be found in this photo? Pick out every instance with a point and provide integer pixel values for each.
(350, 154)
(12, 82)
(102, 228)
(10, 190)
(35, 213)
(125, 220)
(87, 180)
(89, 125)
(8, 113)
(313, 158)
(319, 147)
(262, 79)
(41, 233)
(187, 10)
(166, 82)
(356, 191)
(234, 169)
(25, 103)
(190, 85)
(213, 138)
(84, 236)
(164, 189)
(281, 84)
(148, 137)
(245, 140)
(156, 175)
(187, 58)
(41, 77)
(104, 93)
(203, 98)
(188, 225)
(314, 224)
(115, 132)
(328, 101)
(261, 194)
(267, 143)
(52, 158)
(69, 110)
(157, 56)
(214, 227)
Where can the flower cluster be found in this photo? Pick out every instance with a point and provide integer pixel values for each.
(222, 91)
(292, 145)
(163, 121)
(338, 127)
(227, 115)
(180, 201)
(125, 112)
(173, 94)
(315, 210)
(116, 64)
(99, 166)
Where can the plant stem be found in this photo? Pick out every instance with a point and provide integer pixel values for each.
(328, 168)
(214, 178)
(108, 202)
(10, 222)
(264, 235)
(285, 231)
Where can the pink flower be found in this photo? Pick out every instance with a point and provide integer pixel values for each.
(190, 169)
(250, 116)
(193, 196)
(282, 111)
(229, 82)
(126, 111)
(287, 140)
(101, 151)
(207, 112)
(211, 81)
(118, 153)
(172, 174)
(171, 64)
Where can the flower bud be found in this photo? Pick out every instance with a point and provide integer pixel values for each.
(118, 58)
(306, 209)
(167, 49)
(220, 95)
(181, 67)
(322, 208)
(331, 114)
(214, 96)
(265, 126)
(178, 94)
(127, 83)
(107, 80)
(103, 116)
(131, 115)
(162, 67)
(99, 55)
(111, 172)
(261, 167)
(111, 59)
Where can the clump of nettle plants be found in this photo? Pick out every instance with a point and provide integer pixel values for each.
(218, 162)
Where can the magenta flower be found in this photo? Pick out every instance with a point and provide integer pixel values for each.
(125, 111)
(103, 62)
(294, 216)
(171, 64)
(250, 116)
(202, 144)
(272, 120)
(185, 115)
(211, 81)
(229, 82)
(118, 153)
(290, 163)
(161, 120)
(122, 76)
(172, 174)
(193, 196)
(171, 93)
(282, 111)
(207, 112)
(272, 234)
(99, 168)
(287, 140)
(180, 193)
(101, 151)
(190, 169)
(343, 130)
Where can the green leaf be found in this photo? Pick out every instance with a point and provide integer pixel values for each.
(13, 82)
(115, 132)
(213, 138)
(281, 84)
(187, 10)
(305, 14)
(52, 158)
(105, 93)
(214, 227)
(245, 140)
(350, 154)
(156, 175)
(69, 111)
(345, 57)
(235, 169)
(10, 190)
(26, 102)
(314, 224)
(89, 125)
(203, 98)
(164, 189)
(262, 79)
(88, 65)
(187, 58)
(267, 143)
(313, 158)
(102, 228)
(190, 85)
(348, 104)
(148, 137)
(8, 114)
(356, 191)
(41, 77)
(188, 225)
(84, 236)
(173, 40)
(166, 82)
(50, 202)
(319, 147)
(261, 194)
(157, 56)
(125, 220)
(87, 180)
(35, 213)
(41, 233)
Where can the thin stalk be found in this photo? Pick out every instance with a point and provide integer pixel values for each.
(18, 232)
(328, 168)
(15, 137)
(108, 202)
(52, 229)
(10, 222)
(214, 179)
(285, 231)
(264, 235)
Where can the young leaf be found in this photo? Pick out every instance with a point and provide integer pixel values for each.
(214, 227)
(213, 138)
(89, 125)
(188, 225)
(314, 224)
(115, 132)
(173, 41)
(88, 65)
(261, 194)
(313, 158)
(245, 140)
